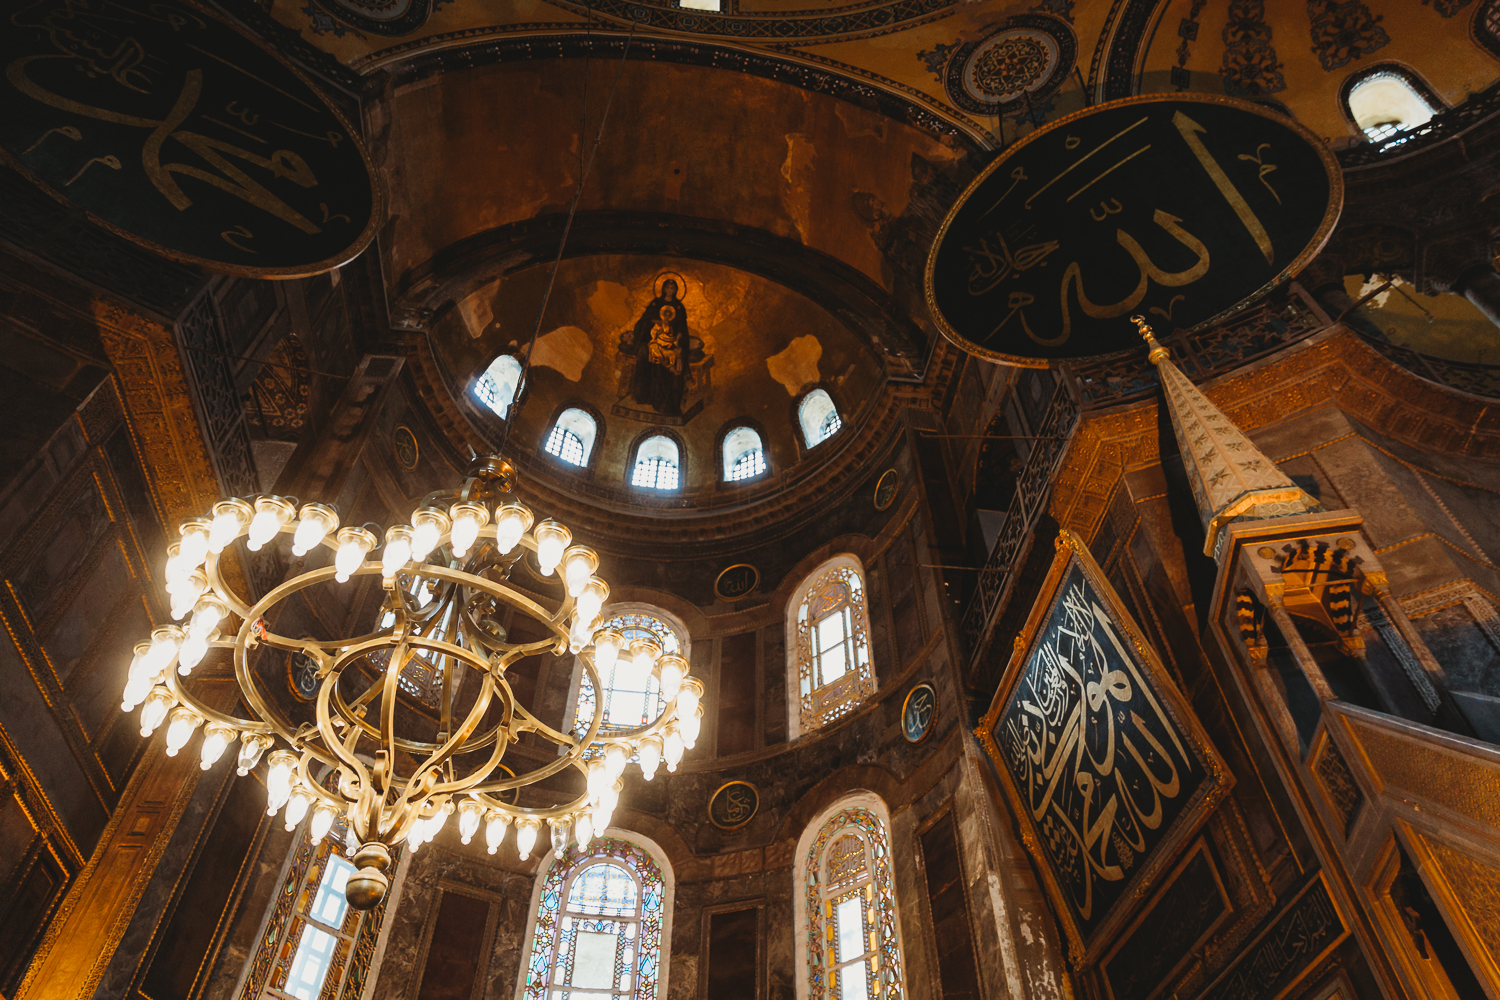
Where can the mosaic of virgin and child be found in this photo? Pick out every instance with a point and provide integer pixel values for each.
(664, 352)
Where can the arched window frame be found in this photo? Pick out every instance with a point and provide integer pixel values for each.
(645, 861)
(810, 399)
(493, 381)
(635, 452)
(864, 816)
(591, 456)
(813, 705)
(671, 621)
(724, 458)
(1485, 27)
(360, 935)
(1397, 71)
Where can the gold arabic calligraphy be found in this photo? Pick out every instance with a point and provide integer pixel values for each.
(993, 261)
(87, 33)
(1100, 762)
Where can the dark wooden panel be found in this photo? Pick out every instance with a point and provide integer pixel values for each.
(737, 693)
(733, 948)
(950, 912)
(454, 956)
(183, 944)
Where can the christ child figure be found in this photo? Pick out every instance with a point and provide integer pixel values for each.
(665, 350)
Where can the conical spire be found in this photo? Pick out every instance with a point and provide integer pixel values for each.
(1231, 479)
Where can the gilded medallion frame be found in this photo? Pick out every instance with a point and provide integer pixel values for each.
(1088, 946)
(1314, 246)
(931, 719)
(730, 599)
(355, 137)
(715, 797)
(888, 476)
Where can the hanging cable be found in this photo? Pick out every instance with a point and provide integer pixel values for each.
(583, 177)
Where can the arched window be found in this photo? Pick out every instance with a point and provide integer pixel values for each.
(312, 944)
(828, 632)
(744, 455)
(572, 437)
(819, 417)
(496, 386)
(631, 696)
(656, 464)
(601, 921)
(1384, 103)
(850, 948)
(1486, 26)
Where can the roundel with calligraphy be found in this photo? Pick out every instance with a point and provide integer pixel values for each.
(1182, 208)
(1014, 68)
(172, 127)
(733, 805)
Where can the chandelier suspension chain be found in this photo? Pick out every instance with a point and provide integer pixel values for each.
(586, 169)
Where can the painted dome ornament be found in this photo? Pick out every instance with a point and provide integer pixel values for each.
(400, 776)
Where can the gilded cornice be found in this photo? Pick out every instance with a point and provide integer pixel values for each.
(1334, 367)
(159, 411)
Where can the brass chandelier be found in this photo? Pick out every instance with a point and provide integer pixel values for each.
(447, 580)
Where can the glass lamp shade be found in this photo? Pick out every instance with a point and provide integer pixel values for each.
(313, 525)
(590, 599)
(397, 550)
(230, 517)
(467, 519)
(280, 773)
(193, 548)
(671, 669)
(494, 830)
(428, 525)
(183, 723)
(650, 755)
(511, 522)
(251, 747)
(216, 739)
(297, 805)
(470, 812)
(354, 545)
(154, 710)
(526, 831)
(607, 643)
(551, 539)
(579, 563)
(322, 821)
(270, 514)
(689, 695)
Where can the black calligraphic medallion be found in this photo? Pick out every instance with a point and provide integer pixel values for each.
(918, 712)
(1102, 758)
(733, 805)
(302, 670)
(1180, 207)
(736, 582)
(404, 445)
(177, 130)
(886, 488)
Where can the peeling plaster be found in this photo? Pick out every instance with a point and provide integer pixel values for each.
(796, 366)
(566, 350)
(477, 308)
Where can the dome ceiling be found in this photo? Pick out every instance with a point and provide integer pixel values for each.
(991, 70)
(756, 347)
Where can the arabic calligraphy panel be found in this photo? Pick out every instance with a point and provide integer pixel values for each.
(177, 130)
(733, 805)
(1182, 207)
(1102, 759)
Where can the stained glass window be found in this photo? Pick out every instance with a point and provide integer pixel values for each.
(832, 646)
(599, 928)
(632, 697)
(853, 941)
(313, 946)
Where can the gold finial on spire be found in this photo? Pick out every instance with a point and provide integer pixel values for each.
(1158, 353)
